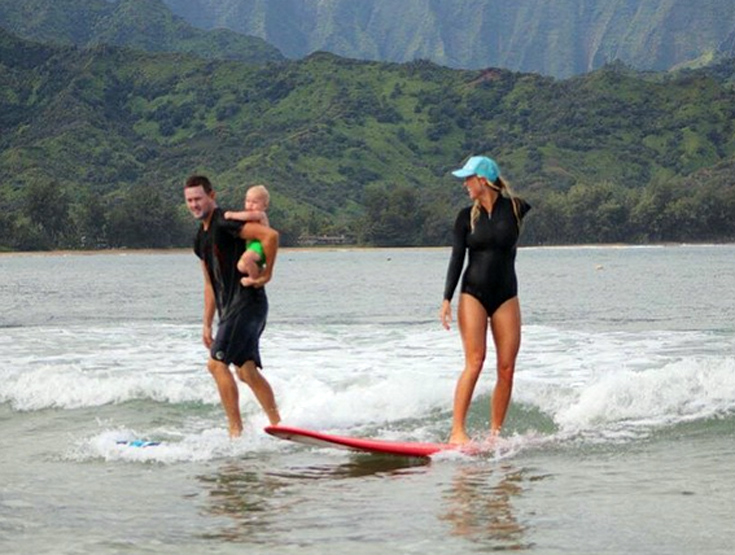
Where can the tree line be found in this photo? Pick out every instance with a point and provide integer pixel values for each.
(44, 216)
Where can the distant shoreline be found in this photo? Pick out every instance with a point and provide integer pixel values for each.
(343, 248)
(118, 252)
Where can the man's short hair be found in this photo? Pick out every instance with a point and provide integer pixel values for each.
(199, 181)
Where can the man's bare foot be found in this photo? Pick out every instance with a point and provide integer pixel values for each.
(273, 416)
(235, 432)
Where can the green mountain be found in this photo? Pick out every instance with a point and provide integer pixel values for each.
(559, 38)
(97, 142)
(141, 24)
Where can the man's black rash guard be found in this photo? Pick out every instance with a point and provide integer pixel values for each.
(490, 276)
(220, 247)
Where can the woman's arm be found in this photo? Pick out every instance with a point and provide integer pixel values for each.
(454, 270)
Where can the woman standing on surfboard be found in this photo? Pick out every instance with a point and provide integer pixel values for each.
(488, 231)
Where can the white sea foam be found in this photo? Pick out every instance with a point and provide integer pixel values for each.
(621, 384)
(112, 445)
(688, 389)
(373, 377)
(367, 375)
(71, 387)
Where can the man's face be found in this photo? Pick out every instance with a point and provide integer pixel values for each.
(199, 203)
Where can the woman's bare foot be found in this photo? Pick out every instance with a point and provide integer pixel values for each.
(459, 438)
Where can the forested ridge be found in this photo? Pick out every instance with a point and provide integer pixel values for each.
(559, 38)
(147, 25)
(97, 142)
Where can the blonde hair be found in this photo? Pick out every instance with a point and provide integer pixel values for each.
(261, 191)
(500, 185)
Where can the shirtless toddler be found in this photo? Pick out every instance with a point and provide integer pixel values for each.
(253, 259)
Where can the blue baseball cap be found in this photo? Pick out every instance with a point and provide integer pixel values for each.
(481, 166)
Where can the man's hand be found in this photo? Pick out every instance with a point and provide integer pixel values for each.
(207, 337)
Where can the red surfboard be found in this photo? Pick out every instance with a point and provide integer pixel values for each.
(382, 446)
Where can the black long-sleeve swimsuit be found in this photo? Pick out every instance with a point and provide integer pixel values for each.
(490, 275)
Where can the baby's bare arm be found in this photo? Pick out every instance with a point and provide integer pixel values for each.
(247, 216)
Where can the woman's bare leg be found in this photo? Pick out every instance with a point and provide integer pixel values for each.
(473, 322)
(506, 329)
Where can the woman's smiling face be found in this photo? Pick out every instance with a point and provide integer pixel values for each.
(474, 186)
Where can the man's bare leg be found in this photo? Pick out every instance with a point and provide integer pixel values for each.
(250, 375)
(228, 393)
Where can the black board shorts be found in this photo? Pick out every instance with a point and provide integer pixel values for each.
(238, 337)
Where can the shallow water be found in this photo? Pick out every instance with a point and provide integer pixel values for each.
(619, 439)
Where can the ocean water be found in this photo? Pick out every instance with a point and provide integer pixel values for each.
(620, 438)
